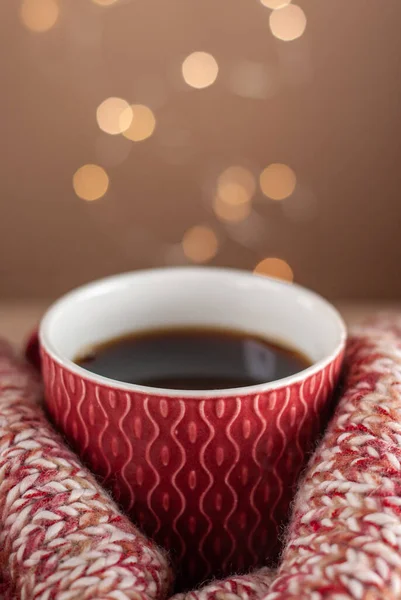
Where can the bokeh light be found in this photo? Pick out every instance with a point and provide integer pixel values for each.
(39, 15)
(200, 70)
(200, 244)
(142, 125)
(277, 181)
(104, 2)
(287, 23)
(236, 185)
(90, 182)
(114, 115)
(231, 213)
(274, 4)
(275, 267)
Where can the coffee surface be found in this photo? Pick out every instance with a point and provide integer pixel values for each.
(193, 359)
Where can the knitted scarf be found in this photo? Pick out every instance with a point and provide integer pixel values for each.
(63, 538)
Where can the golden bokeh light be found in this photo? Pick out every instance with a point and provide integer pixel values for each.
(90, 182)
(142, 125)
(200, 70)
(231, 213)
(277, 181)
(39, 15)
(274, 4)
(287, 23)
(114, 115)
(275, 267)
(236, 185)
(200, 244)
(104, 2)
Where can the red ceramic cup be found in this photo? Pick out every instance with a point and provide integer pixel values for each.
(208, 474)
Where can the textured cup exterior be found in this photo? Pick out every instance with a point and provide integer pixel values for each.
(210, 479)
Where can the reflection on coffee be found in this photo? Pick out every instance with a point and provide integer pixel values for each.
(193, 359)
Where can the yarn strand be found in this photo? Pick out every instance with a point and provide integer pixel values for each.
(61, 536)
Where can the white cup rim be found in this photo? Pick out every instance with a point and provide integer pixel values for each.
(316, 367)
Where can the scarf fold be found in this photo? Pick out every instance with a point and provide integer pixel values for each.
(62, 537)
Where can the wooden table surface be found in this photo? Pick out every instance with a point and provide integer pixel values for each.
(17, 319)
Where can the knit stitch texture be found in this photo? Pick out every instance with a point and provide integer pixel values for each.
(344, 539)
(61, 537)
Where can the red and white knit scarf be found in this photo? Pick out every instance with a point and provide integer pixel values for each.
(63, 538)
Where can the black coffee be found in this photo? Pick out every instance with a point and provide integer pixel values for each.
(197, 359)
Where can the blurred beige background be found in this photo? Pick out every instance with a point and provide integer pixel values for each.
(326, 104)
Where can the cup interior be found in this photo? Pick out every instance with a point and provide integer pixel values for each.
(185, 296)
